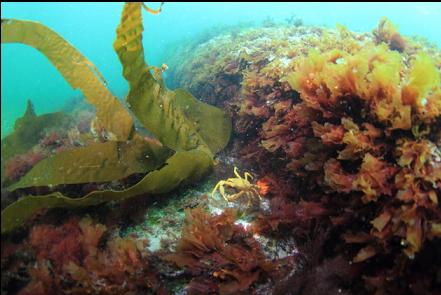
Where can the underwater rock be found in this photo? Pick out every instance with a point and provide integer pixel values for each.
(343, 118)
(340, 129)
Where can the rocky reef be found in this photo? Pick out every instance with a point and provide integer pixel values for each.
(329, 184)
(345, 128)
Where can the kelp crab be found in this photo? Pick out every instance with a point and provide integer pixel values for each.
(242, 185)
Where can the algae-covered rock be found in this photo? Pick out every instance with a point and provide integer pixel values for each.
(27, 132)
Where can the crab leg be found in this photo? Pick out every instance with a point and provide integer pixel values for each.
(216, 187)
(236, 196)
(246, 175)
(222, 191)
(250, 196)
(236, 172)
(256, 191)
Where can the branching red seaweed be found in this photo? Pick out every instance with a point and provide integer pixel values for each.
(224, 255)
(71, 258)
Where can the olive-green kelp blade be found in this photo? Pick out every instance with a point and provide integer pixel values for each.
(176, 118)
(98, 162)
(213, 124)
(27, 132)
(165, 113)
(185, 166)
(78, 71)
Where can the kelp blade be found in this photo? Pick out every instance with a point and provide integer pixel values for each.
(176, 118)
(212, 123)
(195, 134)
(98, 162)
(186, 166)
(78, 71)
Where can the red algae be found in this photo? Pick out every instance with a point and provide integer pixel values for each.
(343, 133)
(69, 259)
(350, 123)
(225, 257)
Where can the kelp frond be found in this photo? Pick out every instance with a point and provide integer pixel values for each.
(78, 71)
(153, 11)
(195, 130)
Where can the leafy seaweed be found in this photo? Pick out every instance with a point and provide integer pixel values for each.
(78, 71)
(176, 118)
(186, 166)
(195, 130)
(98, 162)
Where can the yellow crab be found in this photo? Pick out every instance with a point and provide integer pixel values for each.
(242, 185)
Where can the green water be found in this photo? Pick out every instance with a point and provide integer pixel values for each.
(90, 27)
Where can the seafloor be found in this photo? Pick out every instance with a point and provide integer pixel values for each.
(340, 135)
